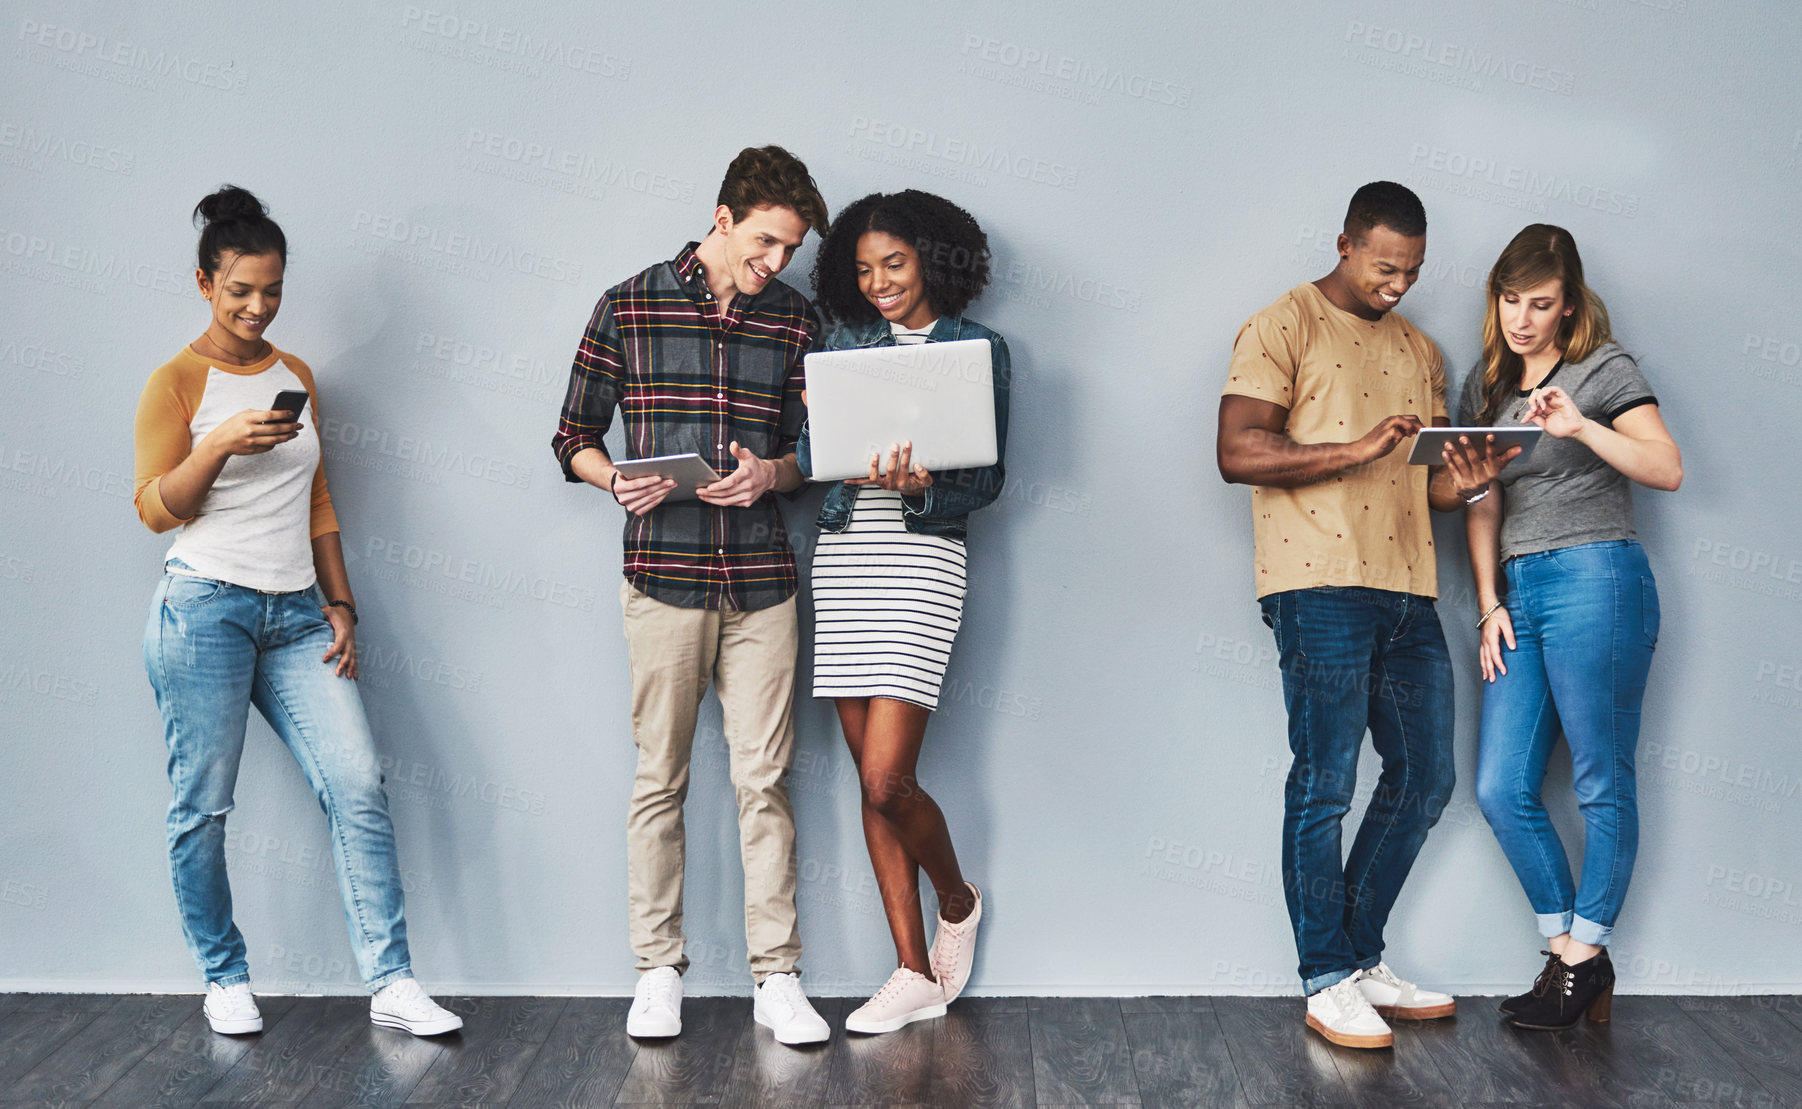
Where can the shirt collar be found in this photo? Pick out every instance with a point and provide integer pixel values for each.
(689, 269)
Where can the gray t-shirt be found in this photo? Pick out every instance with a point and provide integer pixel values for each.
(1563, 494)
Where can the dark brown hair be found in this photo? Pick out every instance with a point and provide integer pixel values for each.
(236, 221)
(770, 176)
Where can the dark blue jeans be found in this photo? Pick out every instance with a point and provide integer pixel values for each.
(1355, 659)
(1585, 622)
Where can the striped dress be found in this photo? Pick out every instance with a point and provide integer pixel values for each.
(887, 602)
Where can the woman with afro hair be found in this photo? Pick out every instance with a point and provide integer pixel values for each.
(888, 579)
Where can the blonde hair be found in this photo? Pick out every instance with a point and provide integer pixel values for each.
(1539, 253)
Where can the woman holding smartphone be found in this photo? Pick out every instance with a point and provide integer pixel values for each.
(888, 579)
(255, 608)
(1569, 607)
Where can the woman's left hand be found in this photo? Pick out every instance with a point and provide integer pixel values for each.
(902, 475)
(344, 641)
(1552, 409)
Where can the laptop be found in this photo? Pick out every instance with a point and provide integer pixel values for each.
(940, 396)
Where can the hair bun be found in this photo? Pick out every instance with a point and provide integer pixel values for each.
(229, 203)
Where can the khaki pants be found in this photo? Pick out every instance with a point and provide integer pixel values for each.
(750, 658)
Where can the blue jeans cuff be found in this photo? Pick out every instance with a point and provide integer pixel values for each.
(1320, 982)
(230, 979)
(389, 979)
(1591, 933)
(1554, 924)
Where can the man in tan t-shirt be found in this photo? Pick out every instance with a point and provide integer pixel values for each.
(1325, 385)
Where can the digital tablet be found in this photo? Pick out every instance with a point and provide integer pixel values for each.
(939, 396)
(1429, 442)
(688, 470)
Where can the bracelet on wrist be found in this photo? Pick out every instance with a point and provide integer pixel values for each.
(346, 606)
(1488, 614)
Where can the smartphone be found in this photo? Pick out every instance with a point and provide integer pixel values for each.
(290, 400)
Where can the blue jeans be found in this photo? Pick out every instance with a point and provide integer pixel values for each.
(1354, 659)
(1585, 622)
(212, 650)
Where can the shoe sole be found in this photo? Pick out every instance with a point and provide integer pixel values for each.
(1416, 1012)
(1346, 1039)
(792, 1040)
(658, 1032)
(417, 1027)
(876, 1027)
(235, 1027)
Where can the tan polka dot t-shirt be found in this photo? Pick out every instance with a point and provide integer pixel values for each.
(1339, 376)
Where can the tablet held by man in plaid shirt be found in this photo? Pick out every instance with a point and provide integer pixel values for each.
(703, 354)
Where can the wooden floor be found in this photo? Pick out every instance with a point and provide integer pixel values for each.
(138, 1050)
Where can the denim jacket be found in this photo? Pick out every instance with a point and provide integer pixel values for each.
(944, 507)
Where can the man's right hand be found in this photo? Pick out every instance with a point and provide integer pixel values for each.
(1386, 436)
(638, 495)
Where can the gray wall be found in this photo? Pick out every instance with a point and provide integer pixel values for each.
(460, 183)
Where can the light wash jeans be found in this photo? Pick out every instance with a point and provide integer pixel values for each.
(1585, 622)
(1357, 659)
(212, 650)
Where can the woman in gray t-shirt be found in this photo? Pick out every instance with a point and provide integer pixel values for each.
(1569, 607)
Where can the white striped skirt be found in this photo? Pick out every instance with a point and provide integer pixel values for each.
(887, 604)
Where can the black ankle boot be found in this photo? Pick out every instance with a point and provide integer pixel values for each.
(1514, 1004)
(1568, 994)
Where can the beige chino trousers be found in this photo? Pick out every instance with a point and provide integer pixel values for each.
(750, 659)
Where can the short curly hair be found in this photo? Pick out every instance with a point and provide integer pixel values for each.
(954, 252)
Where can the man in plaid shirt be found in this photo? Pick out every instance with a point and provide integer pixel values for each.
(703, 354)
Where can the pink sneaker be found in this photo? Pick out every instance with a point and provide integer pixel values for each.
(954, 948)
(906, 997)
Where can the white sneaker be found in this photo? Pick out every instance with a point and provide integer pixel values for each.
(1397, 999)
(1341, 1014)
(656, 1004)
(231, 1010)
(906, 997)
(403, 1004)
(954, 949)
(783, 1008)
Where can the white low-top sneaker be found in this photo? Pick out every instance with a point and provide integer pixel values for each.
(1399, 999)
(1344, 1017)
(231, 1010)
(656, 1004)
(954, 949)
(403, 1004)
(906, 997)
(783, 1008)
